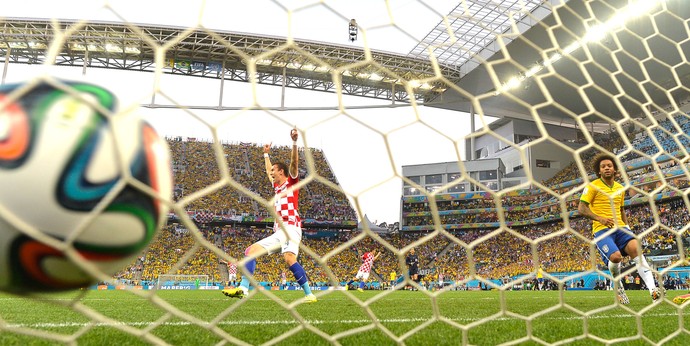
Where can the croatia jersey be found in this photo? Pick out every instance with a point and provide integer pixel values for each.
(232, 269)
(286, 202)
(368, 260)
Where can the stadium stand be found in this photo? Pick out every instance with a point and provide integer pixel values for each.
(533, 214)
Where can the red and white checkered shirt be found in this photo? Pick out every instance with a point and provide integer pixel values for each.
(232, 269)
(368, 261)
(286, 202)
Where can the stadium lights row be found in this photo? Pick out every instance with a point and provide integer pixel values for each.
(23, 45)
(415, 84)
(109, 47)
(115, 48)
(593, 34)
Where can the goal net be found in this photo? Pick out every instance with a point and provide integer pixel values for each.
(475, 143)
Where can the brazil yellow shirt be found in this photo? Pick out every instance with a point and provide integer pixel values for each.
(604, 201)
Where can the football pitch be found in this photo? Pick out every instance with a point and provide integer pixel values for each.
(353, 318)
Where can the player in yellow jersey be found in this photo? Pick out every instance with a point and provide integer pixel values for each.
(602, 202)
(540, 279)
(393, 279)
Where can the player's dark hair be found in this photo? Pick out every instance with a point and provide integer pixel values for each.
(601, 157)
(282, 167)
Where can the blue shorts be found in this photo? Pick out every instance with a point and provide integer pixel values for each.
(613, 242)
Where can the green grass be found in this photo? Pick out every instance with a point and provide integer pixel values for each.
(478, 318)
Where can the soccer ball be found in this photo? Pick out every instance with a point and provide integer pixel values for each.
(75, 175)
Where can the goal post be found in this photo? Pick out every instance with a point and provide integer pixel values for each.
(590, 76)
(182, 282)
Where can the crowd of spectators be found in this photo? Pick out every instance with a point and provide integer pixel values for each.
(644, 141)
(458, 253)
(495, 253)
(543, 205)
(196, 167)
(493, 257)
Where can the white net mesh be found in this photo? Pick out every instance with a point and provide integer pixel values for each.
(590, 77)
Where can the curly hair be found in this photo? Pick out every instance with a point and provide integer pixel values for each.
(601, 157)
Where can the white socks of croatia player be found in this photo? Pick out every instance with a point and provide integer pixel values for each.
(643, 269)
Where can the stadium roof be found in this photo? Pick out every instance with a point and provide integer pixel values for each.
(205, 53)
(475, 26)
(561, 75)
(634, 69)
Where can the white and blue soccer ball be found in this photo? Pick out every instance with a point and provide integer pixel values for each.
(75, 174)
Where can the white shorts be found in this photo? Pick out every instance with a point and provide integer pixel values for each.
(362, 275)
(232, 277)
(284, 240)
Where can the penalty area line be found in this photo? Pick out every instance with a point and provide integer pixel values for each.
(11, 326)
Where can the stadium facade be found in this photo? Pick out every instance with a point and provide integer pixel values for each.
(511, 137)
(504, 158)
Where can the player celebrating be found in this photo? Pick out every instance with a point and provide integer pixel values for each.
(232, 273)
(441, 281)
(283, 280)
(364, 270)
(412, 262)
(287, 229)
(602, 202)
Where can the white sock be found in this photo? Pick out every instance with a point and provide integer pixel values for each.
(645, 272)
(615, 269)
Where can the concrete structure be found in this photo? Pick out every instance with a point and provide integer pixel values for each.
(447, 176)
(524, 151)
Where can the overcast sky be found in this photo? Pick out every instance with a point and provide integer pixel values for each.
(354, 142)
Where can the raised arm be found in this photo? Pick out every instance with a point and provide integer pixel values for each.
(267, 161)
(294, 156)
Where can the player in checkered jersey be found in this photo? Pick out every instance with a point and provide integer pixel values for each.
(364, 270)
(232, 273)
(287, 230)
